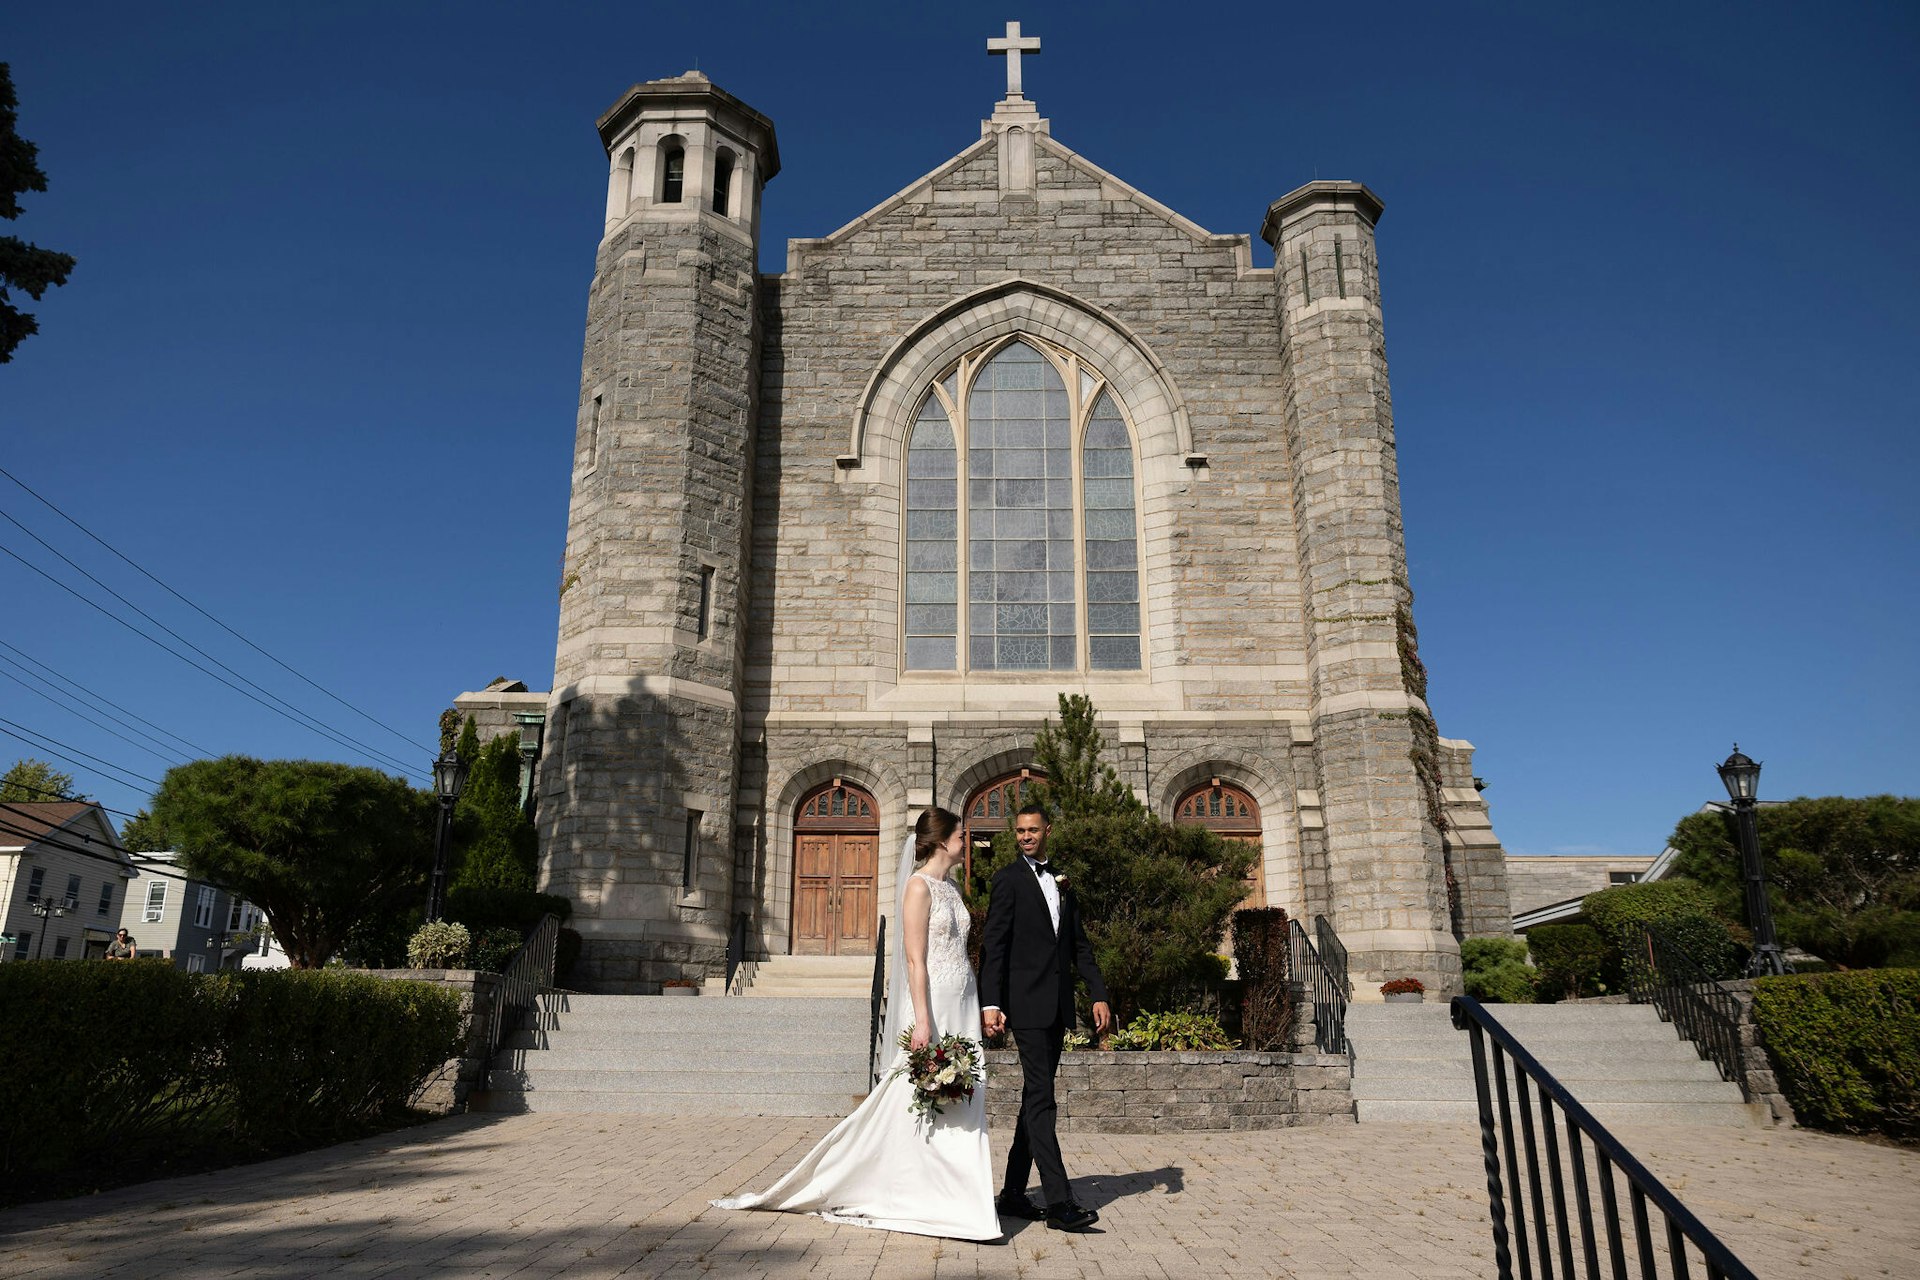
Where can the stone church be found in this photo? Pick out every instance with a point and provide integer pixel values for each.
(840, 534)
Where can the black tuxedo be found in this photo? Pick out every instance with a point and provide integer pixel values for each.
(1027, 970)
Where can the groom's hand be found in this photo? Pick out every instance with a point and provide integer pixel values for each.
(993, 1021)
(1102, 1018)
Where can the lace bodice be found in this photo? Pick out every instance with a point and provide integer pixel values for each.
(947, 923)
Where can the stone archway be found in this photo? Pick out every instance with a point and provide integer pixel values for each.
(1230, 813)
(991, 807)
(836, 871)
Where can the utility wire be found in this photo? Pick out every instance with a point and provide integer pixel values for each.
(49, 505)
(61, 840)
(170, 757)
(55, 797)
(28, 736)
(303, 723)
(21, 656)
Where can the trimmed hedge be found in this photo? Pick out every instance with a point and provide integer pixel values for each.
(110, 1067)
(1495, 970)
(1266, 990)
(1680, 909)
(1570, 958)
(1846, 1047)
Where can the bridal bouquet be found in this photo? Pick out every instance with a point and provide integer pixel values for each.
(950, 1068)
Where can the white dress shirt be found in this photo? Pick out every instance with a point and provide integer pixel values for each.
(1049, 889)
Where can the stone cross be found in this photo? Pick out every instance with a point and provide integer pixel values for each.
(1013, 46)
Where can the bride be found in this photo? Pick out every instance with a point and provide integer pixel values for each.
(883, 1166)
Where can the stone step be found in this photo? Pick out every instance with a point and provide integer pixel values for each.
(1610, 1114)
(702, 1083)
(571, 1005)
(1506, 1014)
(684, 1056)
(607, 1102)
(1568, 1071)
(1589, 1092)
(815, 964)
(840, 1039)
(810, 988)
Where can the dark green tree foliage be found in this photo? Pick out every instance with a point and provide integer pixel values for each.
(318, 847)
(1495, 970)
(32, 780)
(1570, 959)
(1846, 1048)
(1264, 963)
(143, 835)
(23, 266)
(1155, 897)
(494, 840)
(1682, 910)
(1843, 874)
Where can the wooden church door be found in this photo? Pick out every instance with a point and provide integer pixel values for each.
(1231, 814)
(836, 864)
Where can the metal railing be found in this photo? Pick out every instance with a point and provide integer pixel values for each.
(527, 977)
(1699, 1008)
(1322, 974)
(736, 949)
(879, 1000)
(1502, 1101)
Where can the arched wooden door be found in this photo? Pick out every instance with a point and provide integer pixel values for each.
(1231, 814)
(836, 863)
(991, 809)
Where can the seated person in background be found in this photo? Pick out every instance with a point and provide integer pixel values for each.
(122, 947)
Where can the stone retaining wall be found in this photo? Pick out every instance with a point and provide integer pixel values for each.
(445, 1092)
(1762, 1085)
(1111, 1092)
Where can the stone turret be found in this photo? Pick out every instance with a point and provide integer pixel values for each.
(1376, 752)
(639, 775)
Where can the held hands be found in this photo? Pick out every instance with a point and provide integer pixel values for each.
(993, 1022)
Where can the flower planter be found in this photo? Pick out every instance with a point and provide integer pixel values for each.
(679, 991)
(1405, 997)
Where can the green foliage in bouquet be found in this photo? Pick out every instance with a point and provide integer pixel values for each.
(947, 1070)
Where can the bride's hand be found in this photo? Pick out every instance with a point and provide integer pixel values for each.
(921, 1038)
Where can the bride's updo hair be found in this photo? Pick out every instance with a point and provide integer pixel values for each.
(932, 831)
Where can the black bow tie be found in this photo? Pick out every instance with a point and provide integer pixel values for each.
(1039, 866)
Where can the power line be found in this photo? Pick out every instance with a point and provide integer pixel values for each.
(305, 723)
(49, 505)
(171, 757)
(21, 655)
(53, 839)
(37, 740)
(55, 796)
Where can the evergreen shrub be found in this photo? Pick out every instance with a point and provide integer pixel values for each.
(1495, 970)
(1569, 958)
(1680, 909)
(1260, 953)
(495, 949)
(439, 944)
(1846, 1048)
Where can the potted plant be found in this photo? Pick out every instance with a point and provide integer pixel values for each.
(680, 987)
(1404, 991)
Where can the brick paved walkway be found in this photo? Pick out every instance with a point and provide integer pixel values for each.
(589, 1196)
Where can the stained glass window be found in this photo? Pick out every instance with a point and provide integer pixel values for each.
(1113, 569)
(933, 540)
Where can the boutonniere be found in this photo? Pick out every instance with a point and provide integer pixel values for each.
(1061, 882)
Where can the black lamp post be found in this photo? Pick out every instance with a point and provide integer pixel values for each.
(49, 909)
(449, 773)
(1742, 778)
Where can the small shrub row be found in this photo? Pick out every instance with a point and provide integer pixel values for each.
(1165, 1031)
(1682, 910)
(131, 1066)
(1846, 1048)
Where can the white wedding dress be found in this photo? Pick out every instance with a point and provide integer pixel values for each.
(885, 1167)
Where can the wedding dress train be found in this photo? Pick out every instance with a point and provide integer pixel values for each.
(885, 1167)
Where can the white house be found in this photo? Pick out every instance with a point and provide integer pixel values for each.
(63, 877)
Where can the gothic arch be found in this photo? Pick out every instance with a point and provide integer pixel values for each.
(987, 761)
(892, 395)
(1271, 789)
(773, 882)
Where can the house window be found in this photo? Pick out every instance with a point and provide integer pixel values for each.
(673, 173)
(722, 181)
(106, 899)
(35, 883)
(690, 851)
(60, 948)
(703, 621)
(1623, 877)
(234, 913)
(1050, 576)
(73, 893)
(21, 941)
(203, 909)
(196, 963)
(156, 902)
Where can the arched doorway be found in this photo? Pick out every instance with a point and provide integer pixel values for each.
(836, 863)
(991, 809)
(1231, 814)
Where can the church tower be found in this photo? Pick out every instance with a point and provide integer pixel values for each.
(639, 777)
(1375, 748)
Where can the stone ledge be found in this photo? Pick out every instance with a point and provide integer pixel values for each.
(1182, 1092)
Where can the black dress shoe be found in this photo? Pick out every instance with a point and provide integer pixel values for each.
(1068, 1216)
(1014, 1204)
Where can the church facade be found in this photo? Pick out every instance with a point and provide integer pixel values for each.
(840, 535)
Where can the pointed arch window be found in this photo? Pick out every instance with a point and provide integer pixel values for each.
(673, 172)
(1049, 577)
(722, 181)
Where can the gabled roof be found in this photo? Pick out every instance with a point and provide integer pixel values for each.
(73, 826)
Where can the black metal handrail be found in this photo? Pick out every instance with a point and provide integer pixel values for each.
(1686, 995)
(879, 1000)
(527, 977)
(1553, 1232)
(1322, 983)
(736, 949)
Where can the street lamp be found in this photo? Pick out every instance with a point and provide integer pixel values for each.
(1742, 778)
(449, 772)
(49, 908)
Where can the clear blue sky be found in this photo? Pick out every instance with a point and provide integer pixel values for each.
(1650, 274)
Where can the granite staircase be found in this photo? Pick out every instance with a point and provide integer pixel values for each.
(829, 977)
(1620, 1060)
(772, 1056)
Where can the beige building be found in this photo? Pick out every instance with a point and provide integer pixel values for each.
(64, 858)
(839, 535)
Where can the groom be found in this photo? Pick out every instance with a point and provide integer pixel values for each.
(1032, 944)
